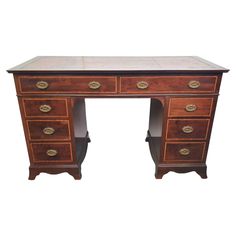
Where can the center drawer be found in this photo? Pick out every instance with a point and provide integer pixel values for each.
(67, 84)
(168, 84)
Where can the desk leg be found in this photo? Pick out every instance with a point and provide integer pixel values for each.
(81, 135)
(154, 134)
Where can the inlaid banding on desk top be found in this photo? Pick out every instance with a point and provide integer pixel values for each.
(115, 64)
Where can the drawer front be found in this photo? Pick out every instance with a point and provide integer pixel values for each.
(196, 129)
(48, 130)
(45, 107)
(184, 152)
(63, 84)
(190, 107)
(51, 152)
(168, 84)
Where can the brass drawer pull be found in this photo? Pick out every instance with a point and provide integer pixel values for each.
(94, 85)
(42, 85)
(51, 152)
(45, 108)
(184, 151)
(187, 129)
(194, 84)
(48, 130)
(142, 85)
(191, 107)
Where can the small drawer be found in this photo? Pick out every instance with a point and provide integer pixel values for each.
(184, 152)
(38, 107)
(190, 107)
(168, 84)
(51, 152)
(45, 130)
(195, 129)
(67, 84)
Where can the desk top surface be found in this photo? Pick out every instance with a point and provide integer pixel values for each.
(72, 64)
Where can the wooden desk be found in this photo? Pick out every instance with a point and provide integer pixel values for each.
(52, 91)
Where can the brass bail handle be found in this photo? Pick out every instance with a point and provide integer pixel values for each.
(184, 151)
(194, 84)
(142, 85)
(48, 131)
(191, 107)
(51, 152)
(45, 108)
(42, 85)
(94, 85)
(187, 129)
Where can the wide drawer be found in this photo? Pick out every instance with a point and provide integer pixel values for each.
(195, 129)
(51, 152)
(190, 107)
(184, 152)
(67, 84)
(168, 84)
(37, 107)
(48, 130)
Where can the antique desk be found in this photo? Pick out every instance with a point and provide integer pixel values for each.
(52, 91)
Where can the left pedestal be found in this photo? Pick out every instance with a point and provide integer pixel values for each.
(56, 134)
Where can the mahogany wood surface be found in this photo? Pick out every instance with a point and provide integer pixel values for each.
(190, 129)
(36, 129)
(39, 152)
(172, 152)
(68, 84)
(65, 83)
(168, 84)
(177, 107)
(58, 106)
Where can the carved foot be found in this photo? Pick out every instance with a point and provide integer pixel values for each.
(202, 173)
(33, 173)
(73, 170)
(160, 173)
(164, 169)
(76, 173)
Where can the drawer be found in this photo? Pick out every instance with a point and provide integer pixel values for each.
(168, 84)
(184, 152)
(187, 129)
(67, 84)
(48, 130)
(190, 107)
(38, 107)
(51, 152)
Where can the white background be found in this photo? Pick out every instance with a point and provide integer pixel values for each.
(118, 194)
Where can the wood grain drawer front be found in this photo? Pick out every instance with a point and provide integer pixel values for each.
(195, 129)
(45, 107)
(67, 84)
(184, 152)
(51, 152)
(48, 130)
(168, 84)
(190, 107)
